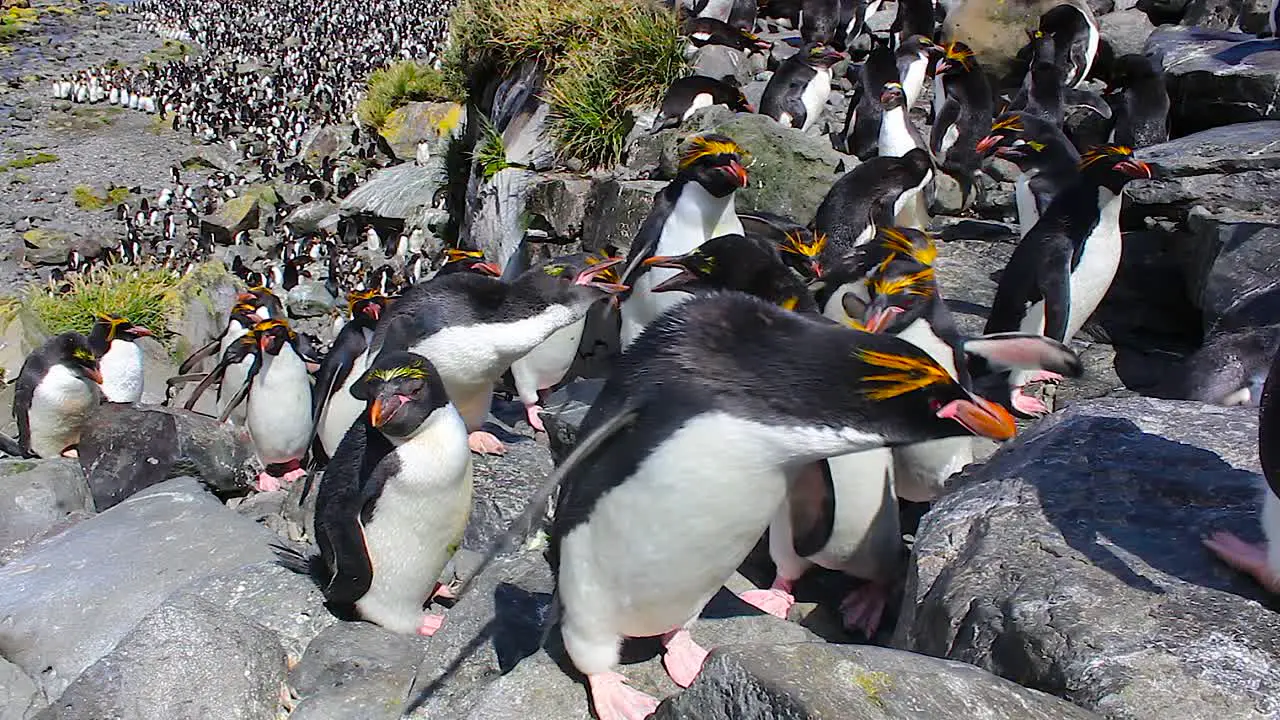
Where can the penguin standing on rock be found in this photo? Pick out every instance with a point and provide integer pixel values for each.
(798, 91)
(119, 358)
(1141, 102)
(365, 308)
(56, 391)
(393, 504)
(862, 122)
(279, 414)
(645, 461)
(1064, 266)
(690, 94)
(693, 208)
(962, 114)
(1046, 159)
(1076, 39)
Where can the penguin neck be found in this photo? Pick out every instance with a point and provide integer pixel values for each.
(896, 137)
(913, 77)
(697, 216)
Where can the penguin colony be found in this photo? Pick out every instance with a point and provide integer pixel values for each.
(815, 358)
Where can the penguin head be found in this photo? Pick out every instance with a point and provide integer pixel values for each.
(401, 391)
(903, 385)
(265, 304)
(956, 58)
(892, 96)
(366, 305)
(573, 279)
(1128, 70)
(802, 251)
(272, 335)
(72, 350)
(818, 55)
(714, 162)
(459, 260)
(732, 262)
(1112, 166)
(1023, 139)
(107, 328)
(900, 287)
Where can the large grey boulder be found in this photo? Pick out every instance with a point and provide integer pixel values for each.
(503, 486)
(1216, 78)
(394, 193)
(127, 448)
(1071, 562)
(496, 221)
(615, 211)
(1248, 16)
(557, 205)
(435, 124)
(820, 681)
(189, 659)
(37, 495)
(997, 29)
(355, 670)
(18, 693)
(1232, 274)
(68, 601)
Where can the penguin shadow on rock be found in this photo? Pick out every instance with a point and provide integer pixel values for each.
(1131, 502)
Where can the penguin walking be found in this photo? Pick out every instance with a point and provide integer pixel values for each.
(962, 114)
(869, 196)
(279, 415)
(1076, 39)
(1064, 266)
(797, 93)
(251, 307)
(704, 31)
(394, 501)
(119, 358)
(56, 392)
(693, 208)
(1046, 159)
(472, 328)
(735, 262)
(365, 308)
(1141, 102)
(690, 94)
(862, 121)
(642, 462)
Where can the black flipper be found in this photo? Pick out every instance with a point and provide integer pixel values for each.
(811, 497)
(199, 355)
(1055, 288)
(242, 393)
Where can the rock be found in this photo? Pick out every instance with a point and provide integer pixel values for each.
(325, 141)
(394, 193)
(214, 157)
(36, 495)
(557, 205)
(503, 487)
(1071, 562)
(722, 63)
(968, 272)
(309, 299)
(127, 448)
(522, 117)
(422, 122)
(997, 29)
(355, 670)
(1148, 306)
(1224, 364)
(157, 367)
(1126, 31)
(1249, 16)
(495, 218)
(236, 215)
(1100, 377)
(615, 210)
(45, 246)
(819, 681)
(22, 334)
(1230, 168)
(189, 658)
(18, 693)
(499, 626)
(1216, 78)
(1232, 272)
(281, 600)
(205, 300)
(310, 218)
(119, 566)
(564, 412)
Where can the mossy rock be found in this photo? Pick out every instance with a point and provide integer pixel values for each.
(997, 29)
(421, 122)
(46, 247)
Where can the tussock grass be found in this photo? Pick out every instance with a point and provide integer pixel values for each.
(490, 153)
(169, 51)
(87, 199)
(398, 85)
(601, 58)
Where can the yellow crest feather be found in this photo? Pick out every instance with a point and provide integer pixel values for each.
(796, 245)
(897, 241)
(905, 374)
(1012, 123)
(414, 371)
(916, 283)
(700, 147)
(1095, 154)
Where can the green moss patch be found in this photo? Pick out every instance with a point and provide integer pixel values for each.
(87, 199)
(398, 85)
(27, 161)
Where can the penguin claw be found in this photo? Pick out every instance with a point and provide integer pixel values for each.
(863, 608)
(1046, 376)
(268, 483)
(484, 443)
(612, 699)
(1245, 557)
(293, 474)
(533, 414)
(773, 601)
(683, 658)
(431, 624)
(1028, 405)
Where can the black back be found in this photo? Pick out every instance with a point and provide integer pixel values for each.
(865, 194)
(1269, 427)
(782, 94)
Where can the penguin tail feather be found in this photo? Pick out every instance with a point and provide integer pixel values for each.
(301, 562)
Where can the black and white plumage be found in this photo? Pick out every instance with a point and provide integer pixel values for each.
(690, 94)
(56, 392)
(1141, 102)
(1046, 159)
(119, 357)
(798, 91)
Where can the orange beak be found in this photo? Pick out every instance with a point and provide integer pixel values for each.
(139, 331)
(375, 413)
(882, 319)
(981, 417)
(93, 374)
(263, 341)
(1136, 169)
(373, 310)
(739, 172)
(487, 268)
(987, 144)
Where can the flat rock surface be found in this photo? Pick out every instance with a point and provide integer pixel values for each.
(119, 566)
(355, 670)
(1071, 562)
(35, 495)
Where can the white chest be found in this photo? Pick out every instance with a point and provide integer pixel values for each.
(920, 333)
(547, 363)
(1098, 264)
(913, 81)
(814, 97)
(701, 100)
(279, 408)
(895, 138)
(1028, 213)
(121, 368)
(60, 405)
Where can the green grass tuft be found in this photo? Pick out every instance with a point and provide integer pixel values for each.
(601, 57)
(398, 85)
(87, 199)
(169, 51)
(490, 153)
(27, 161)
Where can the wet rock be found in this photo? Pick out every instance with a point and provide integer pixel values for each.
(564, 412)
(996, 29)
(1071, 562)
(311, 217)
(818, 680)
(36, 495)
(1232, 271)
(1235, 167)
(188, 658)
(118, 566)
(422, 122)
(309, 299)
(128, 447)
(615, 210)
(395, 193)
(355, 670)
(503, 487)
(1216, 78)
(18, 693)
(557, 205)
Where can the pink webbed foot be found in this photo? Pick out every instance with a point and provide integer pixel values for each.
(430, 624)
(444, 592)
(292, 475)
(863, 608)
(1028, 405)
(612, 699)
(484, 443)
(684, 657)
(1046, 376)
(268, 482)
(533, 414)
(776, 601)
(71, 453)
(1245, 557)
